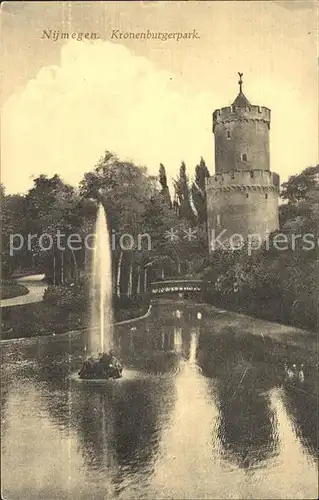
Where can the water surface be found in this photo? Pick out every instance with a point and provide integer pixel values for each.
(203, 411)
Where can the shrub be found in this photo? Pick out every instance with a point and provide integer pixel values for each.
(10, 289)
(72, 297)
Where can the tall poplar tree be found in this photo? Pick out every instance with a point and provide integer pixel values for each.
(165, 190)
(199, 191)
(183, 196)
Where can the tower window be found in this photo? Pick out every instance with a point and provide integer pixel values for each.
(247, 195)
(266, 196)
(244, 156)
(251, 174)
(228, 134)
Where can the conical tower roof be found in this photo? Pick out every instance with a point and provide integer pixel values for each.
(241, 100)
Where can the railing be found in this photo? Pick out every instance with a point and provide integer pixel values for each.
(176, 286)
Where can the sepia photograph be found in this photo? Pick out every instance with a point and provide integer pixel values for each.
(159, 250)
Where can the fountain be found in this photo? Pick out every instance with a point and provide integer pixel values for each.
(101, 362)
(101, 314)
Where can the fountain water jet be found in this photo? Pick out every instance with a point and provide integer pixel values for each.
(101, 314)
(101, 364)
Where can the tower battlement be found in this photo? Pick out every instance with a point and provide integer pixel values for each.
(244, 180)
(230, 114)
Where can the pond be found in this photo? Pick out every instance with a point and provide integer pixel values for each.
(203, 411)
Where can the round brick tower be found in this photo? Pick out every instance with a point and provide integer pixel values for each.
(242, 196)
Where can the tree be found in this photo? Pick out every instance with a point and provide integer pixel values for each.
(301, 210)
(163, 181)
(159, 219)
(298, 186)
(54, 213)
(13, 222)
(182, 202)
(124, 189)
(199, 191)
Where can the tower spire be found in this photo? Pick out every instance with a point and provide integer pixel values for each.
(240, 82)
(241, 100)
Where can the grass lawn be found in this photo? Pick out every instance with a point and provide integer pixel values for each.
(40, 318)
(12, 290)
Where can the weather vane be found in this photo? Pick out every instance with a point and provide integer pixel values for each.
(240, 81)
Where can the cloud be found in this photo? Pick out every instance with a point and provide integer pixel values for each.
(102, 96)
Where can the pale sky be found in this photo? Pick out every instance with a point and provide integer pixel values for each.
(64, 103)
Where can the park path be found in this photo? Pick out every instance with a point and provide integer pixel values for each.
(36, 288)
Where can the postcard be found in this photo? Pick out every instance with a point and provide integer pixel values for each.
(159, 259)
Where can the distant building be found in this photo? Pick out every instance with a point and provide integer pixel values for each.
(242, 196)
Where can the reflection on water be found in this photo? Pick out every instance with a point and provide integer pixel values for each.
(247, 427)
(200, 413)
(301, 403)
(194, 334)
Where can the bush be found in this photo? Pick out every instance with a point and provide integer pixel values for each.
(76, 296)
(72, 297)
(134, 302)
(305, 313)
(10, 289)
